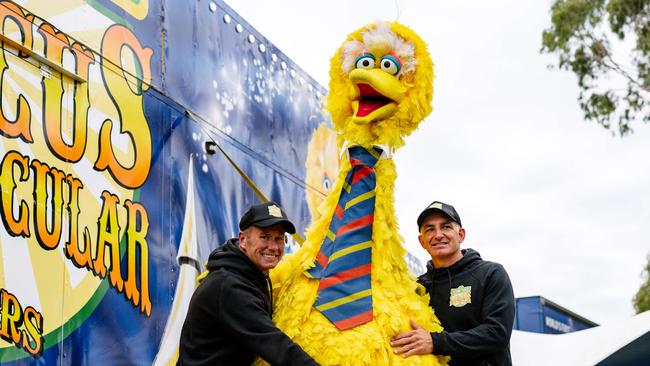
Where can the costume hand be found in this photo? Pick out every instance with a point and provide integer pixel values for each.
(416, 342)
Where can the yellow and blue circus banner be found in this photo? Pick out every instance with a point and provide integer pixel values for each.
(110, 201)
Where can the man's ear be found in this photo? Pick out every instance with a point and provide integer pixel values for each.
(422, 243)
(242, 241)
(461, 234)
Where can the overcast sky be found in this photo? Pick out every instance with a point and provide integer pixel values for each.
(558, 201)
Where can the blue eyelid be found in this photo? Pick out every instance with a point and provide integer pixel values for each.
(395, 60)
(364, 55)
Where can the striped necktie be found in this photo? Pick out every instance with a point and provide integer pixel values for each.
(343, 263)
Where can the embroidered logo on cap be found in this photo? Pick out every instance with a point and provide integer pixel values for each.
(460, 296)
(275, 211)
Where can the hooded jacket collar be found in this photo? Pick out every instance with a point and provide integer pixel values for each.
(444, 275)
(230, 257)
(469, 256)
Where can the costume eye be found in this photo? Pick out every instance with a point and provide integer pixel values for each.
(326, 183)
(365, 61)
(391, 64)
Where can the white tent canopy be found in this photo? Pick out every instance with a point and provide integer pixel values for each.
(585, 347)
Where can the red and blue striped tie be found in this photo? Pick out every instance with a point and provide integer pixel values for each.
(343, 263)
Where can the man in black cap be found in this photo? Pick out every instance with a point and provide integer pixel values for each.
(229, 318)
(472, 298)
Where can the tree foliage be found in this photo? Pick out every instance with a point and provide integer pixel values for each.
(642, 298)
(587, 36)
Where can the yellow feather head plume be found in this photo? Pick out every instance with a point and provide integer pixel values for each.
(381, 85)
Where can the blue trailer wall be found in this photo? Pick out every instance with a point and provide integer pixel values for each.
(106, 107)
(536, 314)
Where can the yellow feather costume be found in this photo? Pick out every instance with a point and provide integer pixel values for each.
(395, 301)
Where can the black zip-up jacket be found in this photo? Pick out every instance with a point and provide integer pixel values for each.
(229, 318)
(478, 317)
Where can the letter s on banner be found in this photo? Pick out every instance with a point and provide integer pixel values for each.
(125, 87)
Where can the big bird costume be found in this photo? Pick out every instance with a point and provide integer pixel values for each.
(380, 90)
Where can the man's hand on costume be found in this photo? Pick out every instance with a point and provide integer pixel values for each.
(416, 342)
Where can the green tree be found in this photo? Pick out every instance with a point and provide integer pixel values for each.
(607, 45)
(642, 298)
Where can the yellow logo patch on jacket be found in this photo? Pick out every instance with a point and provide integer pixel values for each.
(460, 296)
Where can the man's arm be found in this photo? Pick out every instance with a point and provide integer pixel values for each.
(416, 342)
(245, 315)
(493, 334)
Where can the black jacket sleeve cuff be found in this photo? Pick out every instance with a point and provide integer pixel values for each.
(438, 344)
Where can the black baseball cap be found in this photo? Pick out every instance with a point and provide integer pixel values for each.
(441, 207)
(264, 215)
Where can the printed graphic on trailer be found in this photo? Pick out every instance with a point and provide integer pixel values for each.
(109, 204)
(74, 151)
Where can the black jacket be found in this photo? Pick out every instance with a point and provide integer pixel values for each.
(477, 327)
(229, 318)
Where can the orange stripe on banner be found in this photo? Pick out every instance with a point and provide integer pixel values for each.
(339, 211)
(344, 276)
(360, 222)
(321, 259)
(354, 321)
(361, 173)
